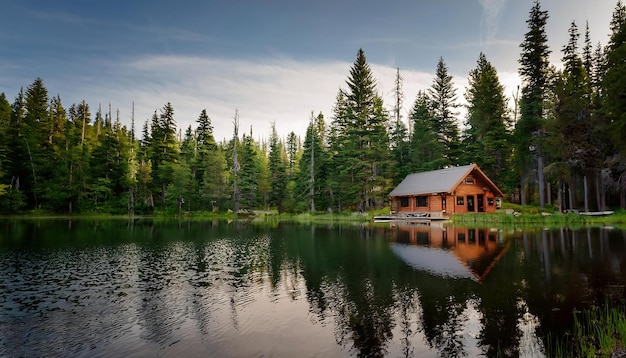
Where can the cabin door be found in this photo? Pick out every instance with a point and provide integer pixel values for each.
(470, 204)
(480, 201)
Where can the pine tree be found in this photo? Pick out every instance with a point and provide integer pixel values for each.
(614, 86)
(16, 168)
(215, 182)
(249, 172)
(209, 166)
(277, 171)
(292, 152)
(236, 166)
(35, 133)
(5, 122)
(56, 191)
(486, 139)
(572, 134)
(204, 149)
(165, 150)
(361, 138)
(443, 100)
(529, 129)
(587, 56)
(81, 145)
(615, 81)
(427, 152)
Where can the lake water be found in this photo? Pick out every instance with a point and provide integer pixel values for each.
(216, 289)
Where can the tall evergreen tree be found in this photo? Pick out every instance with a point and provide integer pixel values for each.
(165, 150)
(35, 134)
(311, 177)
(572, 134)
(215, 183)
(486, 139)
(209, 165)
(337, 187)
(16, 168)
(292, 152)
(249, 172)
(614, 85)
(277, 171)
(614, 79)
(443, 100)
(206, 144)
(5, 122)
(427, 152)
(362, 137)
(81, 144)
(56, 191)
(529, 129)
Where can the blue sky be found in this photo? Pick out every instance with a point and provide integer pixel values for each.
(274, 61)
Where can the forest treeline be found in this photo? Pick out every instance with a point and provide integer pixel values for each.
(564, 143)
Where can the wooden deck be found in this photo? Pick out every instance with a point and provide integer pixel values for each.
(411, 217)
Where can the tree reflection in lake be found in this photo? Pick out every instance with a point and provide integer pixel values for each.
(240, 289)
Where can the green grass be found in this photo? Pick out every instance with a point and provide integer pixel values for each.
(525, 216)
(532, 217)
(597, 332)
(321, 217)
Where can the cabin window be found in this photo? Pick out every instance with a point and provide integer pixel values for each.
(460, 201)
(489, 201)
(421, 201)
(469, 180)
(404, 202)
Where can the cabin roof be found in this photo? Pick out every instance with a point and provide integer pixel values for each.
(439, 181)
(437, 262)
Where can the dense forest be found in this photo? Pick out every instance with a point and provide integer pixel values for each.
(564, 143)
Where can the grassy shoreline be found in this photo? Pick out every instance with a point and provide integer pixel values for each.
(534, 217)
(510, 215)
(599, 331)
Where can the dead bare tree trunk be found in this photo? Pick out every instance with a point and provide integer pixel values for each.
(236, 192)
(586, 190)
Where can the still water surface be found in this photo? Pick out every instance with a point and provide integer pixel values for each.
(217, 289)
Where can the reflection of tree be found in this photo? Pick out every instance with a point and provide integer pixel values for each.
(345, 280)
(500, 335)
(443, 319)
(172, 275)
(560, 271)
(407, 303)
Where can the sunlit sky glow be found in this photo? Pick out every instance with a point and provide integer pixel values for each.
(274, 61)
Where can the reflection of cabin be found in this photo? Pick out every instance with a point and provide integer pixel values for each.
(448, 251)
(444, 192)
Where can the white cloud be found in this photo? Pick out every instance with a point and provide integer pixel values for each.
(280, 90)
(491, 16)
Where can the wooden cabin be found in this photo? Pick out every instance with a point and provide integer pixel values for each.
(444, 192)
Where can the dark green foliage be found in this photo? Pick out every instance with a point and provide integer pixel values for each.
(359, 142)
(426, 151)
(5, 122)
(399, 136)
(277, 172)
(569, 131)
(444, 122)
(249, 172)
(533, 70)
(487, 139)
(312, 177)
(614, 81)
